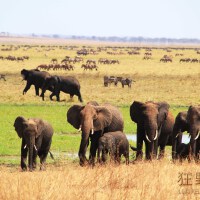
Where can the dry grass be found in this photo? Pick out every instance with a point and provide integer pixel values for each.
(152, 181)
(176, 90)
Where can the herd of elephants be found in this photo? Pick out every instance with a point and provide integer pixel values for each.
(102, 126)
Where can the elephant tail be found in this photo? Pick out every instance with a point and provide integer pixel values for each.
(51, 155)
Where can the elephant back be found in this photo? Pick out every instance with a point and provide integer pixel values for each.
(117, 123)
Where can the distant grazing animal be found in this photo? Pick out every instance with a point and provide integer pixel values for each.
(54, 60)
(3, 76)
(126, 81)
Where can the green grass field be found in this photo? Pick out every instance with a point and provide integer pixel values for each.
(176, 83)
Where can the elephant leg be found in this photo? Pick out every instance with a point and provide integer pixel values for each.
(139, 153)
(104, 155)
(93, 147)
(28, 86)
(162, 152)
(162, 148)
(24, 152)
(58, 96)
(36, 91)
(99, 154)
(51, 96)
(43, 157)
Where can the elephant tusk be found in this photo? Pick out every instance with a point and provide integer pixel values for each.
(35, 147)
(147, 138)
(197, 136)
(79, 129)
(177, 135)
(25, 146)
(156, 135)
(92, 131)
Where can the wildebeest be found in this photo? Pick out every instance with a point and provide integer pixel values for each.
(126, 81)
(3, 76)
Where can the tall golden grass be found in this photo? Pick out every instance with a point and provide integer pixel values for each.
(142, 180)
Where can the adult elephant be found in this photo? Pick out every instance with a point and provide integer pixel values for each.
(36, 137)
(154, 126)
(34, 77)
(94, 120)
(67, 84)
(193, 120)
(181, 125)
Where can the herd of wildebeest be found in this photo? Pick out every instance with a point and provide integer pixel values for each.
(102, 126)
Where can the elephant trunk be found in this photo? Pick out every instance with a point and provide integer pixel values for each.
(87, 128)
(151, 136)
(195, 134)
(82, 150)
(30, 156)
(42, 93)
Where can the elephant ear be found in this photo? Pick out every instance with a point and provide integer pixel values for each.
(136, 111)
(39, 126)
(19, 125)
(103, 118)
(24, 74)
(163, 109)
(73, 116)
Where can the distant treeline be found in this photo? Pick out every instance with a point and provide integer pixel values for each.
(111, 38)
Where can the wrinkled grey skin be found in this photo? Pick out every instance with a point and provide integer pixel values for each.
(181, 125)
(193, 120)
(154, 127)
(114, 143)
(36, 137)
(94, 121)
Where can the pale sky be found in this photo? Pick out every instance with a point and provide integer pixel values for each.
(147, 18)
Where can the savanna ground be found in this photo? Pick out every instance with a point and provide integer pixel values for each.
(176, 83)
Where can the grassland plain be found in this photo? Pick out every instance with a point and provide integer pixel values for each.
(176, 83)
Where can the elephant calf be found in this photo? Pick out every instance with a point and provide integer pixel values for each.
(36, 137)
(183, 151)
(114, 143)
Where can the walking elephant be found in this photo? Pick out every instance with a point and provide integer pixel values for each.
(67, 84)
(36, 137)
(193, 120)
(181, 125)
(114, 143)
(34, 77)
(154, 127)
(94, 121)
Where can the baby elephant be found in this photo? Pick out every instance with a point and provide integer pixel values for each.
(183, 151)
(114, 143)
(36, 137)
